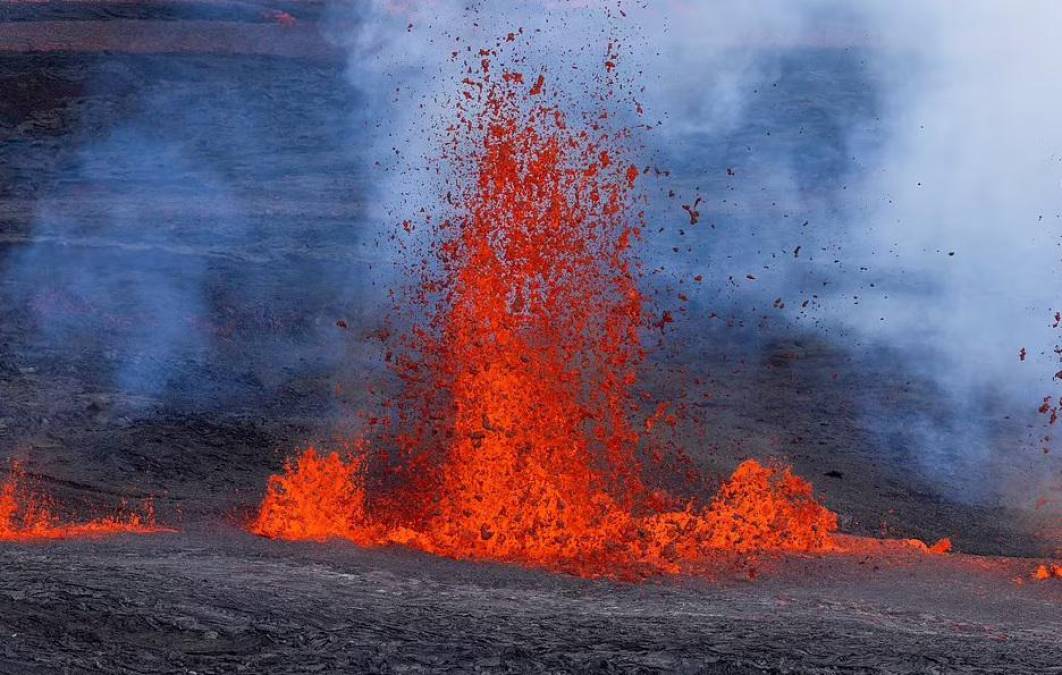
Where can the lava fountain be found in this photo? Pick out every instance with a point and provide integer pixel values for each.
(27, 515)
(517, 436)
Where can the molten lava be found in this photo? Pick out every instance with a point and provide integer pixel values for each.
(760, 509)
(517, 433)
(316, 498)
(1045, 572)
(26, 515)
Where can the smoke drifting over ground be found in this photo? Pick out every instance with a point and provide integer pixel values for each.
(159, 249)
(141, 300)
(835, 156)
(956, 218)
(963, 208)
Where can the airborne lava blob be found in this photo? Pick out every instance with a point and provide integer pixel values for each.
(26, 515)
(516, 432)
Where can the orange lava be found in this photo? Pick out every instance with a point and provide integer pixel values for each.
(941, 547)
(316, 498)
(516, 429)
(1045, 572)
(26, 515)
(858, 545)
(760, 509)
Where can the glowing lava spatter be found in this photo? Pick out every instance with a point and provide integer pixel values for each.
(1047, 571)
(26, 515)
(518, 441)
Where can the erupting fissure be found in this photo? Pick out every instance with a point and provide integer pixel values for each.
(515, 423)
(26, 515)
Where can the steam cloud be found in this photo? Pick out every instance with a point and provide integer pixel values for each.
(907, 148)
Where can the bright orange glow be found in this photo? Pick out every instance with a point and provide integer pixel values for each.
(26, 515)
(316, 498)
(858, 545)
(760, 509)
(941, 547)
(766, 508)
(1045, 572)
(517, 434)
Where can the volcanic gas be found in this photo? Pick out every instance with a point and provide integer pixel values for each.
(26, 515)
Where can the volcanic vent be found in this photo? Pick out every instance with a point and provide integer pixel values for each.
(515, 429)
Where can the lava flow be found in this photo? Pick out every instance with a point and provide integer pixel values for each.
(1047, 571)
(516, 435)
(26, 515)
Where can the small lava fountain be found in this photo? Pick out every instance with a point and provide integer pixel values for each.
(520, 444)
(27, 515)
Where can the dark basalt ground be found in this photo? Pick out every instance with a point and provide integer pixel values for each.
(216, 204)
(223, 601)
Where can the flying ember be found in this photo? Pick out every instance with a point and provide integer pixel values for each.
(517, 433)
